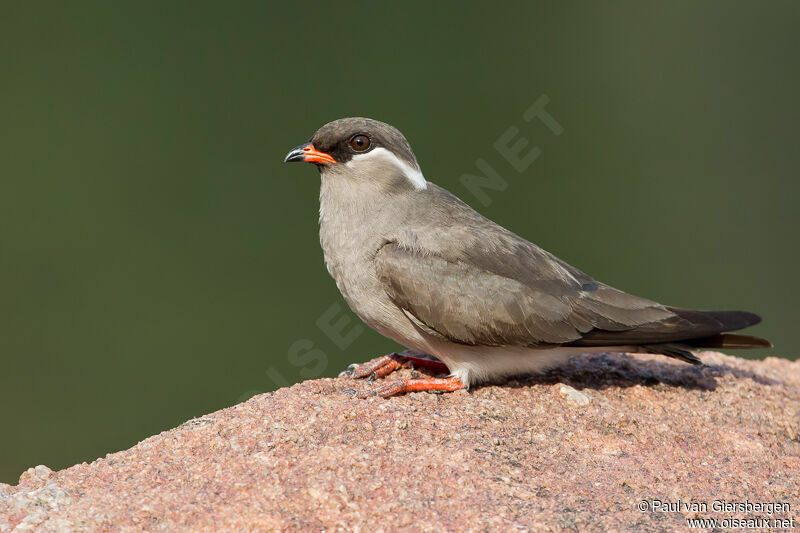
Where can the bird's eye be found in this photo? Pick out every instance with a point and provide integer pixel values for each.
(359, 143)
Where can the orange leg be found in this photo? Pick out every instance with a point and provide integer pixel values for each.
(378, 367)
(403, 386)
(386, 364)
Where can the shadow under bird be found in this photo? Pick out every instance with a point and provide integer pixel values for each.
(465, 295)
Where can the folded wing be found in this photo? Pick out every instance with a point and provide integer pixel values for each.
(469, 303)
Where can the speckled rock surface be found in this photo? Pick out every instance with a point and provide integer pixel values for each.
(577, 449)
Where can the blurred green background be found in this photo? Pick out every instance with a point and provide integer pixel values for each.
(158, 261)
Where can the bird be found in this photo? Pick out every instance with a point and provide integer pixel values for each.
(466, 296)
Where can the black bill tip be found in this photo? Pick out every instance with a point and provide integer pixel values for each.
(296, 154)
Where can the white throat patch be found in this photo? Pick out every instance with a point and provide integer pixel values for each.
(378, 156)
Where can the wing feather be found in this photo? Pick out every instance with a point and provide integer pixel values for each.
(471, 281)
(472, 305)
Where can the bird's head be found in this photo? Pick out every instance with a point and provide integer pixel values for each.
(363, 150)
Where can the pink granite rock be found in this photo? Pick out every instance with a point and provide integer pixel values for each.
(582, 448)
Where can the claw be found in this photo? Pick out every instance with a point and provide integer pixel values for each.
(349, 370)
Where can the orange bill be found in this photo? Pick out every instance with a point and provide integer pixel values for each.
(309, 154)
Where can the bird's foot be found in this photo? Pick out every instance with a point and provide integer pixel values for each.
(375, 368)
(386, 364)
(402, 386)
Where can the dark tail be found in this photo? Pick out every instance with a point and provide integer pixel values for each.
(712, 328)
(716, 323)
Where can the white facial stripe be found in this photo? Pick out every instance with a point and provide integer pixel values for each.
(382, 155)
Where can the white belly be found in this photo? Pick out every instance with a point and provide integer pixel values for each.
(476, 364)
